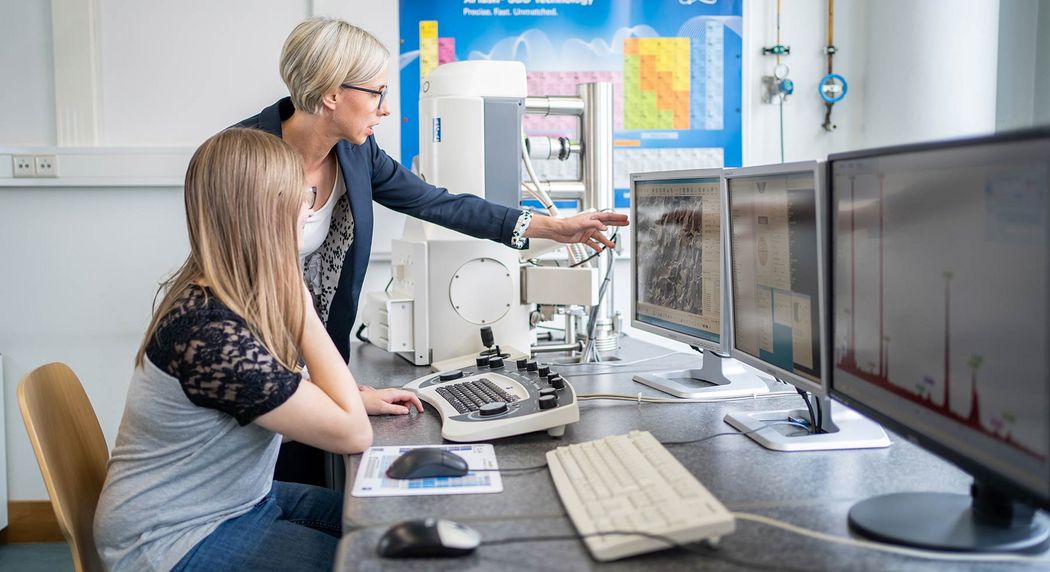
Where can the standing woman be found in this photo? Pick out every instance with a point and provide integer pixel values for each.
(218, 381)
(336, 75)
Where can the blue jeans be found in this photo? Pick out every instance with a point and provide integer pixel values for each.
(294, 527)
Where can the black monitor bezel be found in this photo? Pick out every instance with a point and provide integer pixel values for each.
(973, 467)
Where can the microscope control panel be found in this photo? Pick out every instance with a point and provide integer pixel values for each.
(499, 398)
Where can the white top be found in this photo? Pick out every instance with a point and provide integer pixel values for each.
(317, 225)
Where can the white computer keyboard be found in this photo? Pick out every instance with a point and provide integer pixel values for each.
(631, 482)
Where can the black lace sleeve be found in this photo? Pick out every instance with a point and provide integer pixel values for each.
(218, 361)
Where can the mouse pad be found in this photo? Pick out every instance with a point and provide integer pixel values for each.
(371, 479)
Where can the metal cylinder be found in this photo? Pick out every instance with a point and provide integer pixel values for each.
(564, 190)
(548, 148)
(597, 168)
(545, 348)
(554, 105)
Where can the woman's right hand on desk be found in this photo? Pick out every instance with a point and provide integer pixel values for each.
(390, 401)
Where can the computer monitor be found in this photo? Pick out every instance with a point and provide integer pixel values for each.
(940, 325)
(776, 304)
(677, 278)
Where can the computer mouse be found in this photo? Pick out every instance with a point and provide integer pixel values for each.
(427, 462)
(428, 537)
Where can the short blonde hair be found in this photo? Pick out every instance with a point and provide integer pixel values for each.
(243, 192)
(322, 53)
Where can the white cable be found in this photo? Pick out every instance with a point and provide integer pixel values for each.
(913, 552)
(540, 194)
(644, 399)
(616, 364)
(575, 251)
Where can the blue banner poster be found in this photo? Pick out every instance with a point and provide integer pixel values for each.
(675, 66)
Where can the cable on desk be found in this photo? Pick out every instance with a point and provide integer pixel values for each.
(727, 433)
(899, 550)
(612, 364)
(698, 549)
(647, 399)
(509, 469)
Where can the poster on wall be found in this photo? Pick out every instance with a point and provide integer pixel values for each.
(675, 66)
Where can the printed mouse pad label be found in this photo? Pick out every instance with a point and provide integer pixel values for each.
(371, 479)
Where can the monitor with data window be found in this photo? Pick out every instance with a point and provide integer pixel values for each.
(940, 328)
(677, 277)
(776, 305)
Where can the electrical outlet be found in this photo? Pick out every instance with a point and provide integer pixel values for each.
(23, 165)
(46, 165)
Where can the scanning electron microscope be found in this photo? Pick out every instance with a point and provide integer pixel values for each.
(447, 286)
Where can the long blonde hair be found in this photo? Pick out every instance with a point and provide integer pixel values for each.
(243, 192)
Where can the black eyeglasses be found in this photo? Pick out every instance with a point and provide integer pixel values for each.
(380, 92)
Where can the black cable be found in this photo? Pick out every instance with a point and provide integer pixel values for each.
(614, 238)
(764, 425)
(809, 406)
(511, 469)
(700, 550)
(820, 416)
(361, 336)
(387, 288)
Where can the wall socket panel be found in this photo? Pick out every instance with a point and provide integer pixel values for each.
(29, 166)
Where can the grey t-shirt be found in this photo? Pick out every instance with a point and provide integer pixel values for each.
(188, 456)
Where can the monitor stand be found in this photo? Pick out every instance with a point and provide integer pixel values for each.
(986, 520)
(842, 428)
(708, 382)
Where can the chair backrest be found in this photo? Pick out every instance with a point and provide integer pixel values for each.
(71, 451)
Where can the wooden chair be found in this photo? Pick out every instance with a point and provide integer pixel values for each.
(71, 452)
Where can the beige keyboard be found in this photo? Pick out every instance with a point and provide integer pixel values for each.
(632, 483)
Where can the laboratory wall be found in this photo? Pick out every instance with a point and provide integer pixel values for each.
(125, 99)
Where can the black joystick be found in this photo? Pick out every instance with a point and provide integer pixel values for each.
(494, 408)
(450, 375)
(521, 363)
(495, 362)
(547, 401)
(482, 361)
(486, 337)
(531, 365)
(544, 371)
(556, 381)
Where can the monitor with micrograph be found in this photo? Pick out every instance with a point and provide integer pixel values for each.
(677, 277)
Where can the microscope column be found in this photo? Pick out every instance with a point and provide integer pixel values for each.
(597, 168)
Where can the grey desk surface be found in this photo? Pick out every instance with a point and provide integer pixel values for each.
(810, 489)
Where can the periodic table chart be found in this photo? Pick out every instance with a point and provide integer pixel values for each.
(675, 66)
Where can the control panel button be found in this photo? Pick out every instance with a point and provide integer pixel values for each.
(557, 381)
(531, 365)
(450, 375)
(494, 408)
(482, 361)
(549, 391)
(544, 371)
(496, 362)
(522, 362)
(547, 401)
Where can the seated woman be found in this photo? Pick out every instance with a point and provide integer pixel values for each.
(218, 381)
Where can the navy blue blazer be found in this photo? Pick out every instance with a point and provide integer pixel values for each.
(371, 175)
